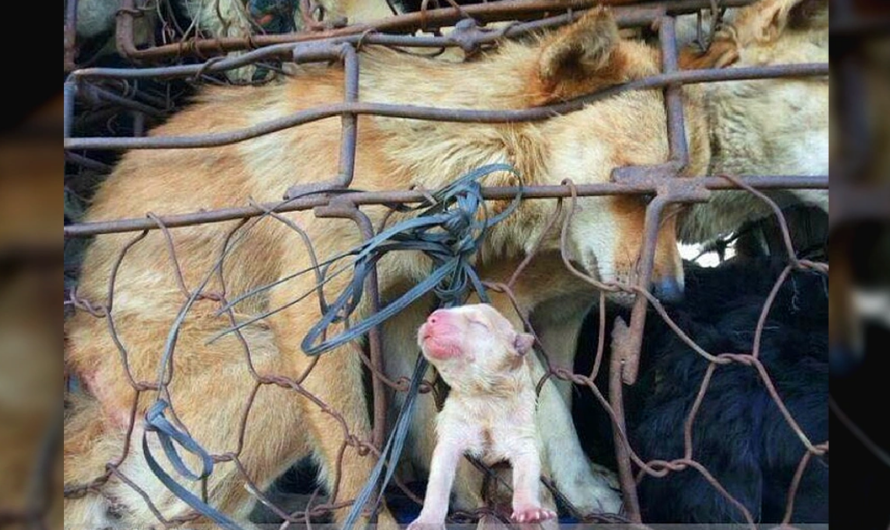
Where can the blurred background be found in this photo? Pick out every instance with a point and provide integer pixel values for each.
(32, 275)
(860, 261)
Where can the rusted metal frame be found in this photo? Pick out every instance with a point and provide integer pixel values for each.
(640, 16)
(627, 344)
(622, 445)
(343, 208)
(87, 163)
(411, 196)
(69, 91)
(70, 35)
(444, 114)
(91, 93)
(486, 12)
(348, 120)
(669, 188)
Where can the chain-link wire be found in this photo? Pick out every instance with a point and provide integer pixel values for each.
(104, 88)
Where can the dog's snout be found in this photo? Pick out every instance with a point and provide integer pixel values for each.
(668, 289)
(436, 316)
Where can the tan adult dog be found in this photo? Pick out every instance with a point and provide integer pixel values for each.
(768, 126)
(211, 383)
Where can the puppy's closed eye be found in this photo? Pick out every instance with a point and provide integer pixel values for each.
(479, 323)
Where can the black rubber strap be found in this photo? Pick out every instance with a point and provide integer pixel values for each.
(156, 422)
(450, 233)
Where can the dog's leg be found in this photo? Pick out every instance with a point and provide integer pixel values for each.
(569, 465)
(209, 391)
(335, 409)
(557, 324)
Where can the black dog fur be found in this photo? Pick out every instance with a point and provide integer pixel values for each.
(739, 434)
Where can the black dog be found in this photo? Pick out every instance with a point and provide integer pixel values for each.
(739, 434)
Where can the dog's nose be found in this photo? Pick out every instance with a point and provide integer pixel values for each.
(668, 289)
(434, 317)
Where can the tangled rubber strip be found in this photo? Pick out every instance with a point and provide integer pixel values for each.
(450, 231)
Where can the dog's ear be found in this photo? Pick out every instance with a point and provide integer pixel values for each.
(807, 14)
(720, 54)
(578, 52)
(767, 19)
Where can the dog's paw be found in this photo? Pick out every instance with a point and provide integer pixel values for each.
(593, 490)
(531, 514)
(426, 524)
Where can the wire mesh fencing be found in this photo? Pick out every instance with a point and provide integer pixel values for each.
(201, 304)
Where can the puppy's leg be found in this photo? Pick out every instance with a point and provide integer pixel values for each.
(449, 451)
(527, 486)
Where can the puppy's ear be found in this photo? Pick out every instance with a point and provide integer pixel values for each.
(523, 343)
(579, 52)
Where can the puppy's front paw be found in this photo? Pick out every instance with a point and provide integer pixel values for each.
(531, 514)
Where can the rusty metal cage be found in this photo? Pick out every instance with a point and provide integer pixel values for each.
(121, 89)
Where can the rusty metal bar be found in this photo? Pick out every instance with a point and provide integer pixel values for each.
(94, 94)
(620, 334)
(69, 90)
(673, 94)
(87, 163)
(486, 12)
(679, 158)
(628, 340)
(443, 114)
(70, 35)
(349, 120)
(408, 196)
(347, 209)
(349, 134)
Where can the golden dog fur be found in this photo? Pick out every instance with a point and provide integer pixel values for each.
(211, 381)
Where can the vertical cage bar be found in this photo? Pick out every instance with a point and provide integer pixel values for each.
(349, 126)
(70, 35)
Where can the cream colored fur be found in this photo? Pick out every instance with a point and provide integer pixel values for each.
(765, 127)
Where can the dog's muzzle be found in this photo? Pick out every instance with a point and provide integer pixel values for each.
(668, 289)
